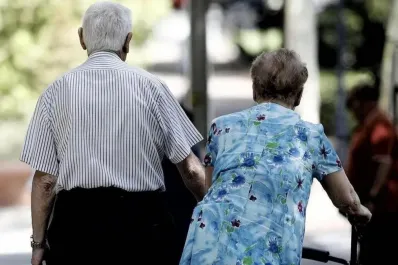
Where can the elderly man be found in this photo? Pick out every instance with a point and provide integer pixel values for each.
(96, 141)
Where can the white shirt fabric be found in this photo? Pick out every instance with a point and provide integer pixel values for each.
(105, 124)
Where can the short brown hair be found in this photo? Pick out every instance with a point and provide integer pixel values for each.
(278, 75)
(362, 92)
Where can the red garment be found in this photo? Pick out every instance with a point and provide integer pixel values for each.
(376, 136)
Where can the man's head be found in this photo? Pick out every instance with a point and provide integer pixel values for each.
(279, 75)
(106, 27)
(362, 99)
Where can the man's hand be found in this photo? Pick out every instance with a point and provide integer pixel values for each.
(38, 256)
(42, 202)
(193, 175)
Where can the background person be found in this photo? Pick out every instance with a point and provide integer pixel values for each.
(373, 173)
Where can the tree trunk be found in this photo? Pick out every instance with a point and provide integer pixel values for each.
(387, 76)
(301, 36)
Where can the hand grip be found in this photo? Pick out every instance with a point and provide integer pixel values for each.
(315, 254)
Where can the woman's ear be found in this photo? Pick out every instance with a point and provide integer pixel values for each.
(298, 98)
(255, 97)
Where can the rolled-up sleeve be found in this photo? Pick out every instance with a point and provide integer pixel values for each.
(179, 132)
(39, 149)
(211, 146)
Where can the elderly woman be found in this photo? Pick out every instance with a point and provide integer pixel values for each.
(261, 163)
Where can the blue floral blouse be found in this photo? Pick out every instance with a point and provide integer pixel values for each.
(265, 159)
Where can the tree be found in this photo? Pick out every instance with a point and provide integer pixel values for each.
(38, 42)
(389, 74)
(301, 36)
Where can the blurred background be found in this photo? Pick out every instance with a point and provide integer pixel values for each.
(342, 42)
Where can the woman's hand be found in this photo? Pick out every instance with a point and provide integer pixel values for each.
(361, 217)
(370, 206)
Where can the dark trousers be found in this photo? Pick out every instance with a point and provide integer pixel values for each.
(379, 244)
(111, 226)
(180, 202)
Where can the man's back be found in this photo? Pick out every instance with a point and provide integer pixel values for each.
(97, 137)
(109, 123)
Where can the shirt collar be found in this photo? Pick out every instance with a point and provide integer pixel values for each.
(104, 54)
(104, 60)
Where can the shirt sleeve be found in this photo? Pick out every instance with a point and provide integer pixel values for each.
(211, 146)
(39, 149)
(179, 132)
(382, 138)
(326, 159)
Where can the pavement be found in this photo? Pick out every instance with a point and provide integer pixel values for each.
(326, 229)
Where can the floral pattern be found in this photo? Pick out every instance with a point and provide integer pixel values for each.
(265, 159)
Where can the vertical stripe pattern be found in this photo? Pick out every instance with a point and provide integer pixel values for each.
(107, 124)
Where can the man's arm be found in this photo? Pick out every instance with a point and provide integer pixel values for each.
(385, 163)
(382, 140)
(193, 175)
(43, 195)
(344, 197)
(209, 176)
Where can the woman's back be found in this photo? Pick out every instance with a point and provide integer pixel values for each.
(264, 161)
(261, 163)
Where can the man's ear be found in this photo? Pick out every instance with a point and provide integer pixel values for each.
(80, 32)
(126, 46)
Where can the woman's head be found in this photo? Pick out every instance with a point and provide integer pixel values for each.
(279, 76)
(362, 99)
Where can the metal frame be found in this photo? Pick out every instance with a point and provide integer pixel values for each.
(324, 256)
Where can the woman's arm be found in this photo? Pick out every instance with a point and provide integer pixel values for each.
(345, 198)
(209, 177)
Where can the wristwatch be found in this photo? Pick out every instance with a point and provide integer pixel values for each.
(37, 245)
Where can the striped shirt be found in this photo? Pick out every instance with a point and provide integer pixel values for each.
(107, 124)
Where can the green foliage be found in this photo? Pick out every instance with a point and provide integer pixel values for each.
(38, 42)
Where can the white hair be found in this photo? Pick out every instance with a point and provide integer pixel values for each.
(105, 26)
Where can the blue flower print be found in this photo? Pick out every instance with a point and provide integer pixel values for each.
(324, 152)
(273, 245)
(249, 160)
(221, 194)
(299, 182)
(238, 181)
(301, 208)
(295, 152)
(307, 155)
(302, 134)
(261, 117)
(279, 159)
